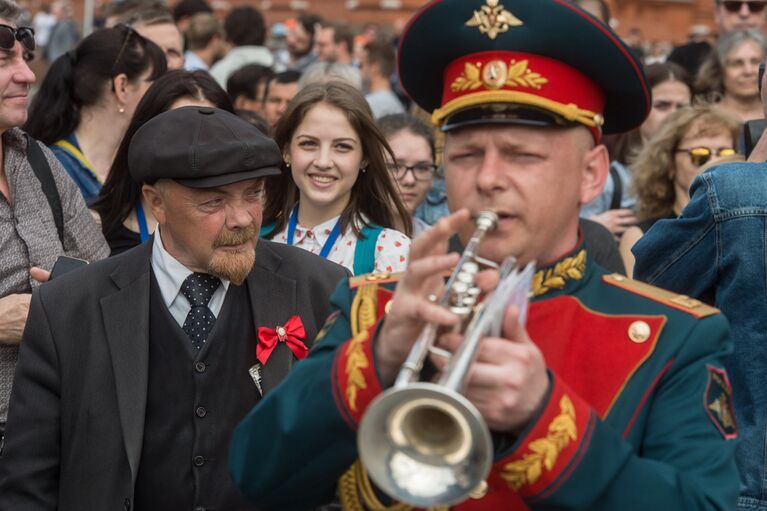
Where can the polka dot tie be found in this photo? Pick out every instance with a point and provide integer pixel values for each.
(198, 288)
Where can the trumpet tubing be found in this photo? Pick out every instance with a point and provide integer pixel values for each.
(424, 443)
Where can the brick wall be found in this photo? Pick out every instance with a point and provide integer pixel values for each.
(658, 19)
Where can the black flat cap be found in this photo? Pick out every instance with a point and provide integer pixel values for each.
(202, 148)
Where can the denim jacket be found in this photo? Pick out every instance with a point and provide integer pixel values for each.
(718, 247)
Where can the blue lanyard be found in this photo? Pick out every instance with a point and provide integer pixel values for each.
(142, 228)
(332, 237)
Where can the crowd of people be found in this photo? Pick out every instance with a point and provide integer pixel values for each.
(255, 200)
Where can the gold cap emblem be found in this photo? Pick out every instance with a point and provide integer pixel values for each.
(493, 19)
(494, 74)
(639, 331)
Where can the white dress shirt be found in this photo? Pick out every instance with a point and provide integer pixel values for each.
(170, 275)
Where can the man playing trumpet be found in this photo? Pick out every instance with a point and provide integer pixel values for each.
(613, 395)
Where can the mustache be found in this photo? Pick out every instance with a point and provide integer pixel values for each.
(228, 238)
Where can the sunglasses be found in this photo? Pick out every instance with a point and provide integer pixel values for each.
(9, 35)
(701, 155)
(128, 32)
(736, 5)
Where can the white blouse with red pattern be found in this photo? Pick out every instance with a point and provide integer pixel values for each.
(392, 247)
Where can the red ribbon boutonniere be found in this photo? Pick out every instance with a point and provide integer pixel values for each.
(292, 334)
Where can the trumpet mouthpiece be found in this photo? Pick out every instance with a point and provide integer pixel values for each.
(487, 220)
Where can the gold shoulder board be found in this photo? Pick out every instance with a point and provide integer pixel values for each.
(681, 302)
(373, 278)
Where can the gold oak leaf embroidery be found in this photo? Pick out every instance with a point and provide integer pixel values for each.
(555, 278)
(520, 75)
(356, 362)
(493, 19)
(363, 316)
(469, 80)
(544, 451)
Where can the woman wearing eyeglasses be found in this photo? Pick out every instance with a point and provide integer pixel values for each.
(413, 168)
(335, 196)
(86, 101)
(729, 75)
(670, 161)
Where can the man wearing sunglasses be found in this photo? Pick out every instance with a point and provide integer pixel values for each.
(729, 15)
(740, 14)
(29, 233)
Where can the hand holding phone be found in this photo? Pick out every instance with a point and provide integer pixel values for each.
(66, 264)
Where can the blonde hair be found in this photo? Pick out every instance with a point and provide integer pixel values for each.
(653, 169)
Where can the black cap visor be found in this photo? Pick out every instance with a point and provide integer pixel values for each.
(230, 178)
(505, 113)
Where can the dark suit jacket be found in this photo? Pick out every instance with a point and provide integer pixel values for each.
(76, 419)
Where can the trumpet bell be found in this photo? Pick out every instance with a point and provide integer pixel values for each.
(425, 445)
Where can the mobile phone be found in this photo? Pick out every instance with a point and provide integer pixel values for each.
(752, 132)
(65, 264)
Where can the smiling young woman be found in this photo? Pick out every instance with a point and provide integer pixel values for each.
(335, 196)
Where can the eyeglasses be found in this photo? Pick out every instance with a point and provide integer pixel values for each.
(421, 171)
(9, 35)
(128, 32)
(736, 5)
(701, 155)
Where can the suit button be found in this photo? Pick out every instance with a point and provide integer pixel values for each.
(200, 367)
(198, 461)
(126, 504)
(201, 412)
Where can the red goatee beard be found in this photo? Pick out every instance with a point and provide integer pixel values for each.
(234, 265)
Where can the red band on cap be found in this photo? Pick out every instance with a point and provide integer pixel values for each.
(521, 78)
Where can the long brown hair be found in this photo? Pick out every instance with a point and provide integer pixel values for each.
(373, 194)
(627, 145)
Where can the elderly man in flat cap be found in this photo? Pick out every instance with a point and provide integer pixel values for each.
(135, 370)
(612, 395)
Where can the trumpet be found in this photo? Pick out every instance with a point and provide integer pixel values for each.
(424, 443)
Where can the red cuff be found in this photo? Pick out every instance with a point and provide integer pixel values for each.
(545, 456)
(356, 380)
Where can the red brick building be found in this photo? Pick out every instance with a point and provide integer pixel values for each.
(658, 20)
(662, 20)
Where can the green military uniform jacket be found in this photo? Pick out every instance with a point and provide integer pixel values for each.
(638, 416)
